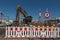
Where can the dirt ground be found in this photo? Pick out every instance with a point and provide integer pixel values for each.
(26, 39)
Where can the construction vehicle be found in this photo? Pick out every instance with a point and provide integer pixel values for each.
(27, 19)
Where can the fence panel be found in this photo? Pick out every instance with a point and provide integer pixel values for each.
(27, 32)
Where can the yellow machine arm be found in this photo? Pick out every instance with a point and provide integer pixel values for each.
(21, 11)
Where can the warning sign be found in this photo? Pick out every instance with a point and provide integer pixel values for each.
(47, 14)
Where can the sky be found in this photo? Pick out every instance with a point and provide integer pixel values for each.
(32, 7)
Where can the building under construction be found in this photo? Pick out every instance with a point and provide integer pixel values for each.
(27, 21)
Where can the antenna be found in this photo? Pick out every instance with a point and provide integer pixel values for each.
(39, 10)
(47, 10)
(39, 13)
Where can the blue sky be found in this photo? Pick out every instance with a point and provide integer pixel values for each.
(8, 7)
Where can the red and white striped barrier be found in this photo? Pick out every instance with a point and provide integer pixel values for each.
(27, 32)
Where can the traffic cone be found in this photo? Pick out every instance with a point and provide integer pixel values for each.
(34, 25)
(43, 26)
(38, 25)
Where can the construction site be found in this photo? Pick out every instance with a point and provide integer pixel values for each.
(26, 22)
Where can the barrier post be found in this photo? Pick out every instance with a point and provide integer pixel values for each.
(39, 32)
(59, 32)
(6, 32)
(14, 33)
(9, 32)
(30, 32)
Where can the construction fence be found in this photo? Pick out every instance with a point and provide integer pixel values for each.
(31, 32)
